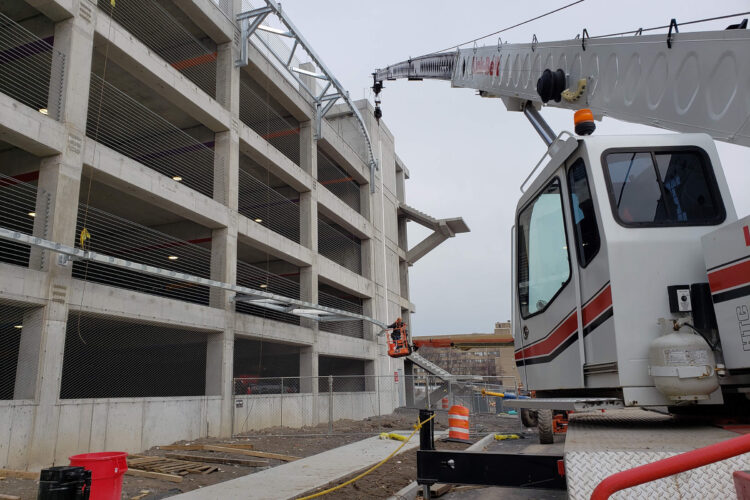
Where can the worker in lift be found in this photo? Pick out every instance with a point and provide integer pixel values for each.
(397, 327)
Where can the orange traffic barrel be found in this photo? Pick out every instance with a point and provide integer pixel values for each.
(446, 403)
(458, 422)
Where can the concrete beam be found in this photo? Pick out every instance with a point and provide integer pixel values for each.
(209, 17)
(130, 53)
(115, 302)
(341, 346)
(262, 238)
(56, 10)
(261, 151)
(335, 146)
(425, 246)
(128, 175)
(263, 71)
(23, 285)
(342, 278)
(257, 328)
(30, 130)
(342, 214)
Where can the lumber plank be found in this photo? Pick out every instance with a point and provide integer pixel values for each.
(251, 453)
(9, 497)
(439, 489)
(154, 475)
(19, 474)
(237, 445)
(218, 460)
(182, 447)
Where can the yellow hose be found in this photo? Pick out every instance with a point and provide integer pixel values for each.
(329, 490)
(485, 392)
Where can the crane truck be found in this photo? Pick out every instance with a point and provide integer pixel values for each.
(630, 266)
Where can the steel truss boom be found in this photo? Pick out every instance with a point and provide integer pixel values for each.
(243, 294)
(686, 82)
(332, 90)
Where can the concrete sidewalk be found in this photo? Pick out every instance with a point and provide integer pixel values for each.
(300, 476)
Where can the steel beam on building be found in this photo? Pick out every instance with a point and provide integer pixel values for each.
(251, 21)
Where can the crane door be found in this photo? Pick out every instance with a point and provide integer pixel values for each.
(549, 354)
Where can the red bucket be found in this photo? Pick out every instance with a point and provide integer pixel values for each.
(106, 469)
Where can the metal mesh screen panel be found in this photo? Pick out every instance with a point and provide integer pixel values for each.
(264, 205)
(118, 237)
(337, 181)
(123, 124)
(156, 28)
(18, 213)
(17, 354)
(25, 64)
(257, 112)
(106, 358)
(340, 246)
(254, 277)
(351, 304)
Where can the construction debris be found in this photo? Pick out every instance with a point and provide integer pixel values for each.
(142, 494)
(18, 474)
(250, 453)
(166, 466)
(218, 460)
(9, 497)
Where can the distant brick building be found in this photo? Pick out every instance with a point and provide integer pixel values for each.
(473, 353)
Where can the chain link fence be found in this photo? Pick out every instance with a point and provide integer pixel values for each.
(366, 404)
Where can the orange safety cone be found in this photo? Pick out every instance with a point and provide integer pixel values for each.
(446, 403)
(458, 423)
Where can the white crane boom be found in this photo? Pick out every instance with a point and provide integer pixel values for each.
(686, 82)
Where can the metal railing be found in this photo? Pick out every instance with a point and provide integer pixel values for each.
(158, 29)
(258, 111)
(338, 181)
(26, 65)
(18, 202)
(265, 205)
(109, 358)
(119, 237)
(362, 404)
(340, 246)
(120, 122)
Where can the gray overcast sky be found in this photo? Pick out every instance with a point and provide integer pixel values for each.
(467, 155)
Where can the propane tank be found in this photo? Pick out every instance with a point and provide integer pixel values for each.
(682, 364)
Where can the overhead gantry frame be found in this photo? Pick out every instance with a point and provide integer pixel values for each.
(252, 20)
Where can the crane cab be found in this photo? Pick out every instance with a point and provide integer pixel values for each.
(602, 236)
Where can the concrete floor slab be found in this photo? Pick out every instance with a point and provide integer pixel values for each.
(295, 478)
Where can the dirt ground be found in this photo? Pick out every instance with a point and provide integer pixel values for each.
(386, 480)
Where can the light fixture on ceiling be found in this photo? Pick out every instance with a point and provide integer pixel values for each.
(176, 178)
(32, 214)
(173, 257)
(43, 111)
(263, 285)
(18, 326)
(258, 220)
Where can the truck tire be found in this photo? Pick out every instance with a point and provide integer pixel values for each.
(544, 426)
(528, 417)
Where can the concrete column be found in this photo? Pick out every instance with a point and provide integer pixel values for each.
(226, 144)
(28, 354)
(308, 372)
(308, 206)
(59, 184)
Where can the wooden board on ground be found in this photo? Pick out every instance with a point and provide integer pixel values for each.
(9, 497)
(250, 453)
(202, 447)
(218, 460)
(154, 475)
(18, 474)
(164, 465)
(439, 489)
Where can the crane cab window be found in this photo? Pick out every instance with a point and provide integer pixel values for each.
(663, 187)
(584, 219)
(543, 265)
